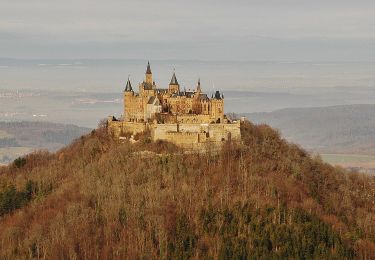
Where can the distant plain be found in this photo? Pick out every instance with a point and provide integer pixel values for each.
(82, 92)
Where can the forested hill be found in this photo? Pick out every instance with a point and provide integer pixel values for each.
(336, 129)
(264, 198)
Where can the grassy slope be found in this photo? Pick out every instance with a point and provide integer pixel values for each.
(265, 198)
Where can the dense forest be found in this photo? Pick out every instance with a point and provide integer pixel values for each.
(263, 198)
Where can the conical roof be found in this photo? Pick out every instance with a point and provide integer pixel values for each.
(199, 85)
(148, 71)
(173, 80)
(128, 86)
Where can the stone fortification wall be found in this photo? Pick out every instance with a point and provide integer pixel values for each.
(159, 131)
(135, 128)
(184, 119)
(115, 127)
(180, 133)
(194, 119)
(182, 138)
(119, 128)
(187, 135)
(221, 132)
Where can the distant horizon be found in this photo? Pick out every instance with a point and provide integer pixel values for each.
(189, 60)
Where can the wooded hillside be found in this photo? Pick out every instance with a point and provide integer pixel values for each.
(264, 198)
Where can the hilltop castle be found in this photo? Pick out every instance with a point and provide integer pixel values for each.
(186, 118)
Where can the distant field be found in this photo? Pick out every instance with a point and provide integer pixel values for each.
(350, 160)
(10, 153)
(20, 138)
(4, 134)
(347, 129)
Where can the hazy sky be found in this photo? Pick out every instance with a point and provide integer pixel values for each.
(333, 30)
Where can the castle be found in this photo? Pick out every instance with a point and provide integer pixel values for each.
(187, 118)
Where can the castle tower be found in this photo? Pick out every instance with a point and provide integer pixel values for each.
(217, 107)
(149, 75)
(174, 87)
(198, 106)
(128, 95)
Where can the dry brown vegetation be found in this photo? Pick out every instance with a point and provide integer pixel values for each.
(263, 198)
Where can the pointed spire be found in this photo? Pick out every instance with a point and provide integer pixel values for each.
(174, 80)
(128, 85)
(199, 85)
(148, 71)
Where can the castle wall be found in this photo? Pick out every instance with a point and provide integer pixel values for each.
(185, 119)
(115, 127)
(135, 128)
(159, 131)
(195, 133)
(192, 136)
(182, 138)
(193, 119)
(119, 128)
(221, 132)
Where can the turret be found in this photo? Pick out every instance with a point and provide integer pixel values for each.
(217, 95)
(217, 107)
(128, 96)
(128, 87)
(149, 74)
(174, 87)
